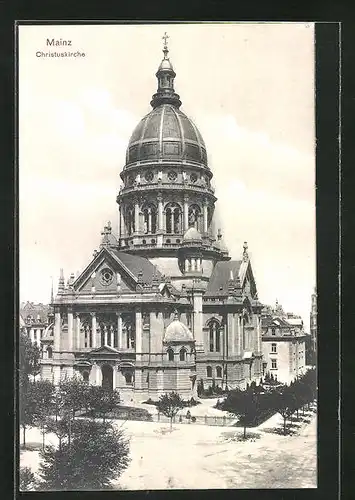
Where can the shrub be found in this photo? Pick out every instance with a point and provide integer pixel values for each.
(27, 479)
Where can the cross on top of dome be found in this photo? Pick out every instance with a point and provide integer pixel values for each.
(165, 48)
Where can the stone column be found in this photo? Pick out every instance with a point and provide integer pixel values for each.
(77, 328)
(93, 330)
(198, 320)
(136, 217)
(56, 332)
(112, 337)
(149, 229)
(186, 213)
(239, 335)
(32, 335)
(105, 335)
(38, 337)
(70, 330)
(160, 213)
(114, 373)
(138, 330)
(258, 334)
(205, 218)
(98, 377)
(198, 264)
(186, 265)
(119, 331)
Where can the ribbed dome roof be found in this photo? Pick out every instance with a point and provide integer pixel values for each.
(192, 234)
(177, 332)
(166, 133)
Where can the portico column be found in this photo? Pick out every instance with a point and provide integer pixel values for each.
(77, 327)
(93, 330)
(186, 265)
(114, 373)
(70, 330)
(56, 332)
(186, 213)
(119, 331)
(205, 218)
(32, 335)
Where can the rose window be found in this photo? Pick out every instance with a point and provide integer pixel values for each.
(106, 276)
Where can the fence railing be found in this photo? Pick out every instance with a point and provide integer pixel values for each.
(223, 421)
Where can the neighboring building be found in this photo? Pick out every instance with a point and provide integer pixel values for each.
(162, 305)
(34, 320)
(313, 320)
(283, 342)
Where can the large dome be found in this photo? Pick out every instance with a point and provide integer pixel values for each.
(166, 133)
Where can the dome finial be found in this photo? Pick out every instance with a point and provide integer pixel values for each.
(165, 48)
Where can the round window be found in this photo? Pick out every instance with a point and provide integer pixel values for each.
(193, 178)
(149, 176)
(106, 276)
(172, 176)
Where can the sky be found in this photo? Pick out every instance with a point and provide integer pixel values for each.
(250, 90)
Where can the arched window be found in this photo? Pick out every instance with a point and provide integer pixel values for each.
(183, 354)
(173, 218)
(128, 377)
(214, 336)
(209, 371)
(86, 376)
(195, 217)
(219, 372)
(170, 354)
(130, 221)
(49, 352)
(149, 218)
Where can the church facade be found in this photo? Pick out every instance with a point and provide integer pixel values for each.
(161, 306)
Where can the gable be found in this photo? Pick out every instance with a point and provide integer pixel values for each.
(106, 274)
(248, 282)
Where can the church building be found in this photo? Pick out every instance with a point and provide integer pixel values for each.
(161, 306)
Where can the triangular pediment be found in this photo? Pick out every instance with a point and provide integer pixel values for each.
(105, 349)
(105, 274)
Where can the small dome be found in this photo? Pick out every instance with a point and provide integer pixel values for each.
(166, 64)
(178, 332)
(192, 234)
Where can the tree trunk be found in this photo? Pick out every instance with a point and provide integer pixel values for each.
(24, 436)
(171, 424)
(43, 434)
(285, 425)
(69, 435)
(245, 432)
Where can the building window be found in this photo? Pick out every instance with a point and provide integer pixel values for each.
(209, 371)
(149, 218)
(173, 218)
(214, 336)
(86, 377)
(170, 354)
(219, 372)
(274, 364)
(49, 352)
(273, 348)
(273, 332)
(183, 354)
(128, 377)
